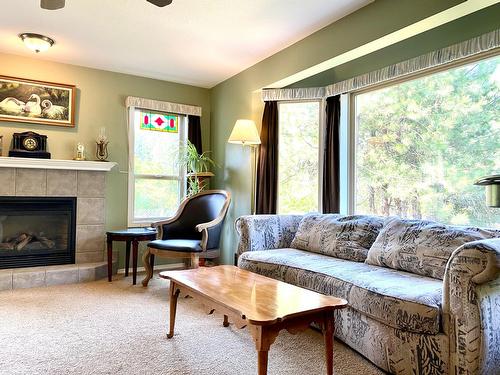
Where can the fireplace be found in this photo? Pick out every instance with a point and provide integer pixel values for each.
(37, 231)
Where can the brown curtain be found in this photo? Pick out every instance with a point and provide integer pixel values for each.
(331, 164)
(267, 168)
(194, 132)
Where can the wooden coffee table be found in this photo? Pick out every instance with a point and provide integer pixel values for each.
(263, 304)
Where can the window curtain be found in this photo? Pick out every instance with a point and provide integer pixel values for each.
(331, 163)
(194, 132)
(267, 168)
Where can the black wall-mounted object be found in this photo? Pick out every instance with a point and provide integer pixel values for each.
(29, 145)
(492, 185)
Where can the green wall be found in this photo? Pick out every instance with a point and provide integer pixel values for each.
(101, 94)
(100, 102)
(454, 32)
(238, 97)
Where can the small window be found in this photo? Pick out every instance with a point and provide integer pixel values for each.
(298, 164)
(422, 143)
(156, 182)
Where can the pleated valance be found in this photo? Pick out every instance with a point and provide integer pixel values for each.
(488, 42)
(308, 93)
(157, 105)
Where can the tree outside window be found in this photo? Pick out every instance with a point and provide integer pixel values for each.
(421, 145)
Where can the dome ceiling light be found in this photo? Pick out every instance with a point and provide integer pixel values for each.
(37, 42)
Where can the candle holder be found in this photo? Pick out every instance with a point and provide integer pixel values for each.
(101, 152)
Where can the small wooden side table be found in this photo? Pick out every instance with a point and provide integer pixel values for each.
(131, 235)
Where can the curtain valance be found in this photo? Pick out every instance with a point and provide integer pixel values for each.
(308, 93)
(481, 44)
(157, 105)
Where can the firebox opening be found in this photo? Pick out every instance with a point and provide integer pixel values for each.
(37, 231)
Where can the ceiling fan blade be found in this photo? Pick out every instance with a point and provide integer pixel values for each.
(52, 4)
(160, 3)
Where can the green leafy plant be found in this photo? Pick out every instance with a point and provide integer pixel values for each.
(194, 186)
(195, 164)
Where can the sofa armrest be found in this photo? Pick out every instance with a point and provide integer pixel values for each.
(263, 232)
(471, 307)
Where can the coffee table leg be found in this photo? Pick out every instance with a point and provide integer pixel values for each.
(328, 329)
(127, 257)
(110, 259)
(135, 250)
(263, 338)
(226, 321)
(174, 294)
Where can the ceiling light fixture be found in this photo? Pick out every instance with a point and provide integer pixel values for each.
(37, 42)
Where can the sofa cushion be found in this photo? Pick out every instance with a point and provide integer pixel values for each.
(421, 247)
(340, 236)
(399, 299)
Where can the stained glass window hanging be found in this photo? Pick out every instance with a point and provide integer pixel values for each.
(161, 122)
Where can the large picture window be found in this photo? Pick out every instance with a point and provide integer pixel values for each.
(156, 182)
(421, 144)
(298, 164)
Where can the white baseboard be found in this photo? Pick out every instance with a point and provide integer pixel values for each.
(160, 267)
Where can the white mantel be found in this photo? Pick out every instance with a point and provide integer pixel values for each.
(11, 162)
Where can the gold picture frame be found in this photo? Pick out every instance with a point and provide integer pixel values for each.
(37, 102)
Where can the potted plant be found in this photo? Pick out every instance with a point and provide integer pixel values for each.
(197, 167)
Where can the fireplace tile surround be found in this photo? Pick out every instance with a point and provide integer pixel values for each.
(89, 187)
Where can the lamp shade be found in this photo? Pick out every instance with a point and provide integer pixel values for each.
(244, 133)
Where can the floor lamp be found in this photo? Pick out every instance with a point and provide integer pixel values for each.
(245, 133)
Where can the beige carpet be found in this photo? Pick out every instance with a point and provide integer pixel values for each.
(117, 328)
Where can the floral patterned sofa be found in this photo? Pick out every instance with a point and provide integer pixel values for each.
(424, 298)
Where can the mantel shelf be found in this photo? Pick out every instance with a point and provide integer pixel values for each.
(11, 162)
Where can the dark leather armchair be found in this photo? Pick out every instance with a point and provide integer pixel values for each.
(192, 233)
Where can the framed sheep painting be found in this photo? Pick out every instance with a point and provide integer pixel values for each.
(38, 102)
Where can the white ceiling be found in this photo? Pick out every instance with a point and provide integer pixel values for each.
(198, 42)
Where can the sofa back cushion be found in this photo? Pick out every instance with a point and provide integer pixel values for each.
(421, 247)
(339, 236)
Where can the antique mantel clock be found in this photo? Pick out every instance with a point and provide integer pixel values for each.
(29, 145)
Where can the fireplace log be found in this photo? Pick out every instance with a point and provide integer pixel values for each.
(29, 240)
(22, 241)
(6, 246)
(49, 244)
